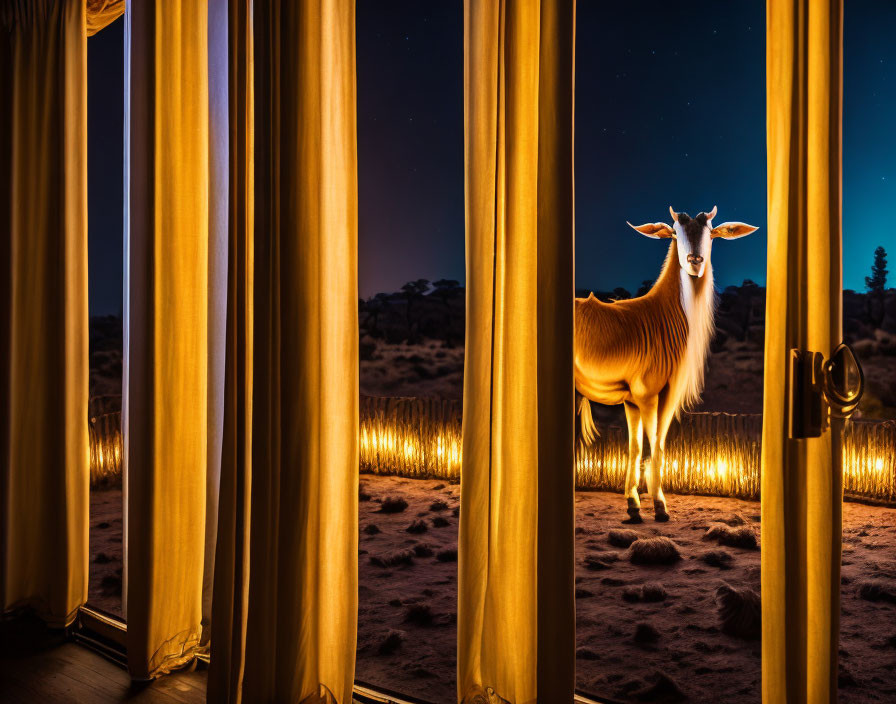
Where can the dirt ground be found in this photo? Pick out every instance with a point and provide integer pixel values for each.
(106, 549)
(645, 632)
(629, 647)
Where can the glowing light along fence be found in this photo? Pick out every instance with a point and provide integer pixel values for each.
(707, 453)
(422, 438)
(413, 437)
(869, 460)
(104, 438)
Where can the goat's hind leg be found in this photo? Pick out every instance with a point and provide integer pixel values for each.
(633, 472)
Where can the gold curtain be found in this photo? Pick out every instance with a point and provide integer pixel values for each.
(284, 611)
(516, 621)
(801, 479)
(167, 313)
(102, 13)
(44, 477)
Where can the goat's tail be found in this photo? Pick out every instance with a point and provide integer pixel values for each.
(586, 422)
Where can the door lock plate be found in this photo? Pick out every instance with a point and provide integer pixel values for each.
(821, 389)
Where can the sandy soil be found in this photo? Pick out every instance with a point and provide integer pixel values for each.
(407, 612)
(106, 550)
(660, 643)
(430, 368)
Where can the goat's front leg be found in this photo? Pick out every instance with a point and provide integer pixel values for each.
(656, 427)
(633, 471)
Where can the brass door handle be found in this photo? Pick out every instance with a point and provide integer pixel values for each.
(822, 388)
(844, 381)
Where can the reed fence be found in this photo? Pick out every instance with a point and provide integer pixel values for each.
(104, 438)
(707, 453)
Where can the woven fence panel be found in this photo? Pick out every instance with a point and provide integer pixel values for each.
(706, 453)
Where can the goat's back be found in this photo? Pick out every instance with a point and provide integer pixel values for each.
(636, 343)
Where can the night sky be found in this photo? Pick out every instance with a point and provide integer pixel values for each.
(670, 110)
(105, 171)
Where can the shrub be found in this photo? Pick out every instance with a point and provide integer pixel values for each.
(658, 550)
(622, 538)
(740, 537)
(393, 505)
(417, 527)
(740, 612)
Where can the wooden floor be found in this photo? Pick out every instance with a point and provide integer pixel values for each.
(38, 666)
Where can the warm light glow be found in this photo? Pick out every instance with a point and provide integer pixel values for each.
(104, 439)
(707, 453)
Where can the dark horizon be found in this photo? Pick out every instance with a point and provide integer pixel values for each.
(670, 110)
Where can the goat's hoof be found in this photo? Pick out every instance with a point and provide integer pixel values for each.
(659, 512)
(634, 515)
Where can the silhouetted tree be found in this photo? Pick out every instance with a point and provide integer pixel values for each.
(374, 307)
(877, 282)
(413, 291)
(445, 290)
(645, 287)
(620, 293)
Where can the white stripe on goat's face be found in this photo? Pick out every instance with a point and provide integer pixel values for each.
(694, 240)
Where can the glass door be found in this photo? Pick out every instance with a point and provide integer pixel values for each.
(668, 115)
(105, 140)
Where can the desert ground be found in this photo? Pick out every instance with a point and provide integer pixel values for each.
(106, 550)
(687, 630)
(683, 631)
(734, 372)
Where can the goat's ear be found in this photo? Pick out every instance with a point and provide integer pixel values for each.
(656, 230)
(733, 230)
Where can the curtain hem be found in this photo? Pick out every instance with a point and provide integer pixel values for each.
(479, 695)
(175, 652)
(40, 609)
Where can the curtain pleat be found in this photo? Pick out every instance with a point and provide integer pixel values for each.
(219, 214)
(516, 620)
(44, 475)
(167, 330)
(102, 13)
(230, 595)
(801, 479)
(285, 598)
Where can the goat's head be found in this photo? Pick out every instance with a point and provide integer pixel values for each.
(694, 237)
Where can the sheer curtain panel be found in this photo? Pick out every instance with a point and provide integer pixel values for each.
(167, 332)
(44, 474)
(516, 620)
(802, 485)
(284, 614)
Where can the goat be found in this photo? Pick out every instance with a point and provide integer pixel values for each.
(649, 353)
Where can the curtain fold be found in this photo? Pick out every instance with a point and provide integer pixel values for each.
(801, 479)
(516, 620)
(167, 333)
(44, 474)
(102, 13)
(285, 595)
(219, 213)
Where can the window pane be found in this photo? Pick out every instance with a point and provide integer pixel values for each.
(411, 270)
(105, 118)
(868, 576)
(667, 114)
